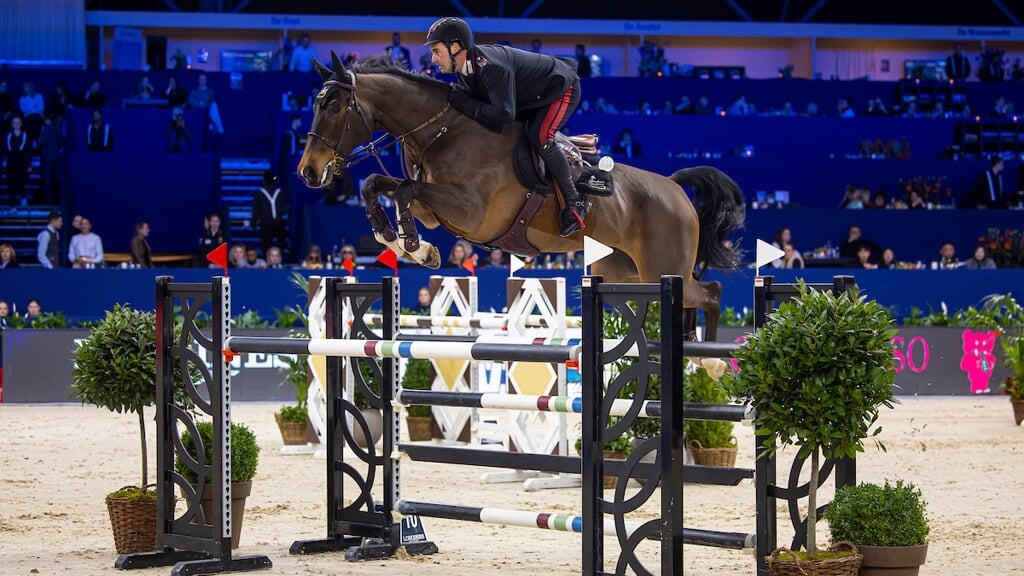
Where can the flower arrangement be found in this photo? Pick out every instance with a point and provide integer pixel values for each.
(1005, 247)
(932, 189)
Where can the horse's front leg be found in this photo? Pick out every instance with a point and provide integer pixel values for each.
(420, 251)
(375, 186)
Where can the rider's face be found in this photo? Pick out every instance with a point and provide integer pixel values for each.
(439, 55)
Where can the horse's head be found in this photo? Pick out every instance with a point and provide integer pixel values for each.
(339, 125)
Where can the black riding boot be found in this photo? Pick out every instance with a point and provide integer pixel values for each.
(576, 206)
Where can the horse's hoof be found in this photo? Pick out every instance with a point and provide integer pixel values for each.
(433, 260)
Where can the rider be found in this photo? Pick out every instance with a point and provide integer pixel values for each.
(499, 85)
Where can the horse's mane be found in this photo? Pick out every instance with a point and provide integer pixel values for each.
(381, 64)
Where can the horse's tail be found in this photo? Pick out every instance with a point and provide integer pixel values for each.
(720, 209)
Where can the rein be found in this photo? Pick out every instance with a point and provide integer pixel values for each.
(374, 147)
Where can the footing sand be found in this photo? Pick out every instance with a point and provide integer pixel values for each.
(58, 462)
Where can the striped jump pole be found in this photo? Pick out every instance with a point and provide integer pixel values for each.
(497, 322)
(553, 350)
(522, 402)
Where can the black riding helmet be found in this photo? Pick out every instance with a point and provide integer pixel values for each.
(448, 30)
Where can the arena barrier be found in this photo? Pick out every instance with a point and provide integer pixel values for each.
(366, 527)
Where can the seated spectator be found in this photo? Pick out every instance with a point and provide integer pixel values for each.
(60, 101)
(99, 137)
(811, 110)
(703, 106)
(910, 111)
(880, 201)
(844, 109)
(423, 301)
(643, 107)
(947, 257)
(786, 110)
(142, 254)
(48, 252)
(782, 237)
(5, 314)
(313, 260)
(496, 259)
(33, 310)
(864, 258)
(855, 198)
(460, 252)
(8, 257)
(212, 237)
(1000, 108)
(236, 256)
(144, 89)
(791, 258)
(176, 95)
(86, 249)
(179, 138)
(876, 107)
(348, 252)
(626, 147)
(32, 106)
(980, 260)
(888, 261)
(685, 106)
(915, 201)
(854, 242)
(93, 96)
(274, 259)
(252, 258)
(739, 106)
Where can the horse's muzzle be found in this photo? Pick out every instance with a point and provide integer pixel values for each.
(309, 176)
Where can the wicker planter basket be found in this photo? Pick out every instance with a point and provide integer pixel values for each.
(133, 521)
(793, 566)
(723, 457)
(1018, 411)
(292, 433)
(420, 428)
(611, 481)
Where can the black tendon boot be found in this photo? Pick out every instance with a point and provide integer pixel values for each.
(576, 206)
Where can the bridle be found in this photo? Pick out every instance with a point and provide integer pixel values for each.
(374, 147)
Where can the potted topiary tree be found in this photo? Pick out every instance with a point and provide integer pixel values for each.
(888, 524)
(816, 373)
(245, 457)
(419, 375)
(115, 368)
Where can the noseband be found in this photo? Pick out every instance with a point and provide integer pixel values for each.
(373, 148)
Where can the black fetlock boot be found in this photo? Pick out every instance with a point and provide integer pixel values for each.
(576, 206)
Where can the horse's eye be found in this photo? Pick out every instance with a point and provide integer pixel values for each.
(334, 107)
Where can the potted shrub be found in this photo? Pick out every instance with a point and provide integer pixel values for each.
(710, 441)
(888, 524)
(245, 456)
(419, 375)
(816, 374)
(292, 419)
(115, 368)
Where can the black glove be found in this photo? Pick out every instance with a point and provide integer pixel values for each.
(458, 97)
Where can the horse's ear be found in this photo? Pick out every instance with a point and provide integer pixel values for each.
(336, 64)
(324, 73)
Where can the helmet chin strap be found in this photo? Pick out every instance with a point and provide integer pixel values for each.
(452, 55)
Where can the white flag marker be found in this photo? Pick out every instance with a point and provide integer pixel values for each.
(766, 253)
(593, 250)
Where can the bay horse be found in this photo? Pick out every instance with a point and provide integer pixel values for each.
(460, 175)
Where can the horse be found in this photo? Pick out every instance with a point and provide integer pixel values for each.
(461, 175)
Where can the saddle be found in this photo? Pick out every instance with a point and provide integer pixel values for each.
(583, 158)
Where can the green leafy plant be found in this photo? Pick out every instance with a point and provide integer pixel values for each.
(699, 386)
(873, 515)
(115, 368)
(249, 319)
(419, 375)
(245, 451)
(295, 369)
(44, 321)
(817, 373)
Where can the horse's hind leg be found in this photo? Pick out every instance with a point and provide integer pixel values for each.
(707, 296)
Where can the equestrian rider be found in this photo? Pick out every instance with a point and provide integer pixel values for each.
(499, 85)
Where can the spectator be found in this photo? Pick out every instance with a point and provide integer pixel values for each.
(460, 252)
(782, 237)
(252, 258)
(32, 108)
(987, 190)
(303, 55)
(5, 314)
(178, 60)
(423, 301)
(583, 67)
(811, 111)
(142, 254)
(888, 260)
(958, 65)
(270, 212)
(17, 146)
(59, 102)
(201, 95)
(1000, 107)
(236, 256)
(685, 106)
(844, 109)
(93, 96)
(626, 147)
(179, 138)
(398, 54)
(876, 108)
(496, 259)
(739, 106)
(51, 161)
(48, 252)
(786, 110)
(879, 201)
(176, 96)
(99, 137)
(285, 51)
(144, 89)
(313, 261)
(348, 252)
(211, 238)
(293, 142)
(703, 106)
(791, 258)
(864, 258)
(32, 310)
(854, 242)
(915, 201)
(274, 259)
(76, 226)
(980, 260)
(86, 249)
(8, 257)
(947, 257)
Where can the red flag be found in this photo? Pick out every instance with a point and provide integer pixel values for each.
(470, 264)
(350, 265)
(389, 259)
(219, 256)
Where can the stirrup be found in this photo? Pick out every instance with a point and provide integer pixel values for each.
(572, 219)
